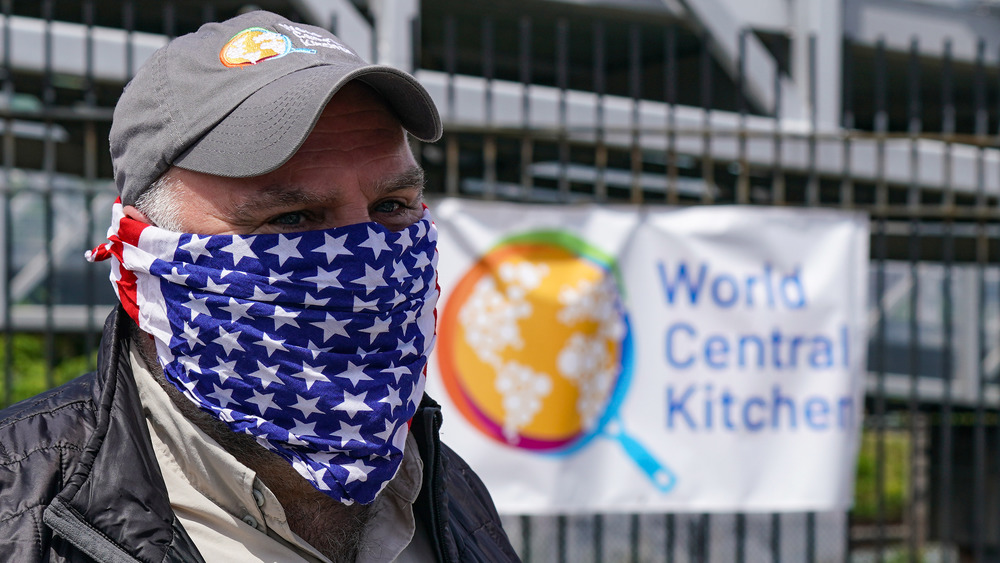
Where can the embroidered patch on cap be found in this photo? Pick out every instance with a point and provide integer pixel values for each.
(313, 39)
(256, 44)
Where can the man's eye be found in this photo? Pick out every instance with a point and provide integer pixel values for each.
(288, 219)
(388, 206)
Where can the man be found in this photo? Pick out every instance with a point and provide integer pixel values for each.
(260, 390)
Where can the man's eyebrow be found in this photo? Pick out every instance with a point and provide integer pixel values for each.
(273, 197)
(411, 178)
(285, 196)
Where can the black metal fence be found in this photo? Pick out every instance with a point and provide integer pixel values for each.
(564, 104)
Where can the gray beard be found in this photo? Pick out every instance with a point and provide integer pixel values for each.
(334, 529)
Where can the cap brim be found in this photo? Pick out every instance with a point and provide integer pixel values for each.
(264, 131)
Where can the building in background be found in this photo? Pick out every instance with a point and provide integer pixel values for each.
(890, 106)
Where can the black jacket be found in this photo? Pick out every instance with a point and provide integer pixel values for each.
(79, 480)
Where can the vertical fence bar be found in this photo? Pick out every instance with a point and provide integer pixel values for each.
(8, 245)
(89, 182)
(524, 70)
(598, 538)
(881, 127)
(451, 141)
(743, 181)
(670, 96)
(996, 137)
(812, 183)
(416, 39)
(982, 256)
(600, 146)
(776, 537)
(915, 125)
(741, 538)
(947, 203)
(811, 537)
(991, 210)
(847, 122)
(777, 172)
(416, 63)
(947, 124)
(169, 19)
(704, 539)
(561, 541)
(846, 188)
(489, 140)
(562, 83)
(525, 539)
(707, 164)
(128, 24)
(981, 119)
(634, 538)
(878, 420)
(208, 15)
(881, 254)
(669, 538)
(450, 63)
(947, 449)
(48, 167)
(635, 90)
(694, 540)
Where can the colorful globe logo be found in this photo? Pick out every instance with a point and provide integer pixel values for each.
(256, 44)
(535, 345)
(535, 348)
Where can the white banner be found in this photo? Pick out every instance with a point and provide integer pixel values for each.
(619, 358)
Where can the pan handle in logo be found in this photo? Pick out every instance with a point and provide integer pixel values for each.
(661, 476)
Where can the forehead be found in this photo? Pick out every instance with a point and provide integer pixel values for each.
(355, 130)
(355, 155)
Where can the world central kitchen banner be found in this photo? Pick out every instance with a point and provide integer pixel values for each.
(630, 359)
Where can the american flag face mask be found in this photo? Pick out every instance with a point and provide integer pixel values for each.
(314, 343)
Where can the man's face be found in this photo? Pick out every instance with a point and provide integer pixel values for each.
(354, 167)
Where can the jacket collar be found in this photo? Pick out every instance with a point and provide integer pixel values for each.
(115, 505)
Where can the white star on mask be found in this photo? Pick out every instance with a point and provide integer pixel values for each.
(392, 399)
(240, 249)
(196, 247)
(225, 396)
(348, 432)
(372, 280)
(307, 406)
(198, 306)
(238, 310)
(229, 341)
(325, 279)
(379, 326)
(357, 471)
(376, 242)
(285, 249)
(332, 326)
(266, 374)
(333, 247)
(263, 401)
(353, 404)
(311, 374)
(270, 344)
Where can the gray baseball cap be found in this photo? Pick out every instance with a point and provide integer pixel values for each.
(238, 98)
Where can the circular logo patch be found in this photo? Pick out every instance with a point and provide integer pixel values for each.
(535, 347)
(256, 44)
